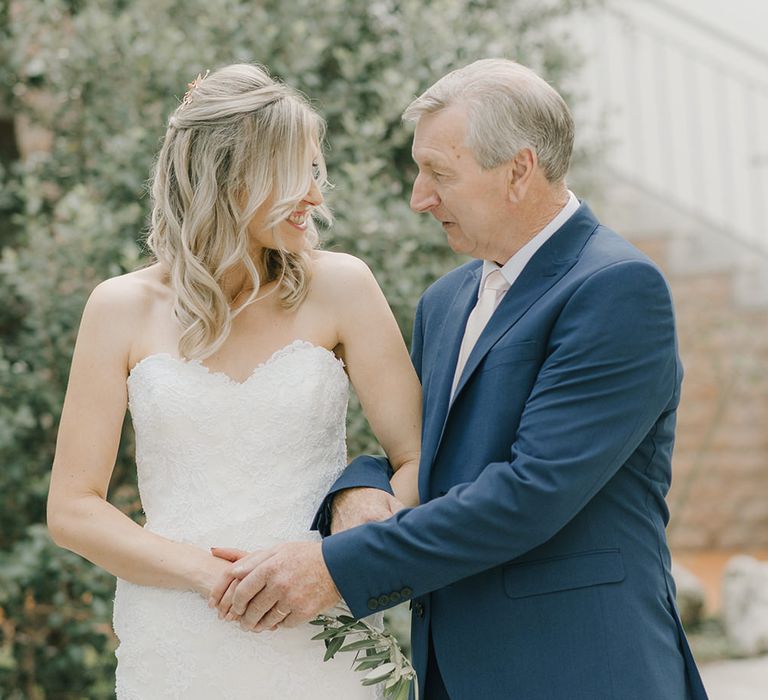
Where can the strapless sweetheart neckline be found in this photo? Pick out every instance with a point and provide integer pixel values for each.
(290, 348)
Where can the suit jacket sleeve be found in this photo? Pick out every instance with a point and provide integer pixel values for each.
(363, 471)
(366, 470)
(610, 371)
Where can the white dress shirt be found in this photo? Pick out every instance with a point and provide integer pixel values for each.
(512, 269)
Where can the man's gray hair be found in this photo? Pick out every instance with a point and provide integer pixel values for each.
(509, 108)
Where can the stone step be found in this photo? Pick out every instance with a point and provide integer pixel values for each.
(687, 261)
(751, 284)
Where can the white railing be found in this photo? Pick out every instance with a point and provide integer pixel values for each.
(684, 108)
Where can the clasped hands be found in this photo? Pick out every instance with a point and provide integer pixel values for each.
(290, 584)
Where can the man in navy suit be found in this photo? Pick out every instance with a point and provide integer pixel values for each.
(537, 564)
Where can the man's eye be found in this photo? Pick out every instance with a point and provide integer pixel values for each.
(437, 174)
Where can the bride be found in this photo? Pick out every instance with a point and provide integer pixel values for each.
(233, 352)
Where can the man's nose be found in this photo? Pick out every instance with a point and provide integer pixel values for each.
(423, 196)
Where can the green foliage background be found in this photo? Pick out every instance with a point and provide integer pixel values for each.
(102, 76)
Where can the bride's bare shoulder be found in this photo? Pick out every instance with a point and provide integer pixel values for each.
(341, 274)
(119, 314)
(132, 294)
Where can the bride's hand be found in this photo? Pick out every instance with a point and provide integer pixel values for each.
(356, 506)
(217, 568)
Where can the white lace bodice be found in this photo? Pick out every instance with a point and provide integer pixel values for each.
(245, 464)
(231, 464)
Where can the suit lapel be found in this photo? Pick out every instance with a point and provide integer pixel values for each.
(440, 379)
(545, 269)
(535, 280)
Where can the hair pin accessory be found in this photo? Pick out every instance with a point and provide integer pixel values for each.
(192, 86)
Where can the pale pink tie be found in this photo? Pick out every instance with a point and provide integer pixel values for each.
(493, 288)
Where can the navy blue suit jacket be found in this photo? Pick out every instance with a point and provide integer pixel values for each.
(538, 556)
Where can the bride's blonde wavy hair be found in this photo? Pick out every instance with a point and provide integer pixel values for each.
(239, 139)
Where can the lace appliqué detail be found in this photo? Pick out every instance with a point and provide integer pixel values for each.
(240, 464)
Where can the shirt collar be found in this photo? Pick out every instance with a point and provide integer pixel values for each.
(516, 264)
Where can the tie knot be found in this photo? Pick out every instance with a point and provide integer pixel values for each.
(495, 281)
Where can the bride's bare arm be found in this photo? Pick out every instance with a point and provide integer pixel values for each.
(381, 371)
(79, 516)
(405, 482)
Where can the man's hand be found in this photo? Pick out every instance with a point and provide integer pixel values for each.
(286, 585)
(356, 506)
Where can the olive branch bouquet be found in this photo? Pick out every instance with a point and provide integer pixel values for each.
(376, 651)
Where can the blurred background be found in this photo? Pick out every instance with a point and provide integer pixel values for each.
(671, 101)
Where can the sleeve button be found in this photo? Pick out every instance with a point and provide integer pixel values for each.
(373, 604)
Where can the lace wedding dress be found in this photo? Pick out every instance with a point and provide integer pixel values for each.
(238, 465)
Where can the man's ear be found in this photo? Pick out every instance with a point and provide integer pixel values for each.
(520, 174)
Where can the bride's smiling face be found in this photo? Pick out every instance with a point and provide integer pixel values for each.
(289, 233)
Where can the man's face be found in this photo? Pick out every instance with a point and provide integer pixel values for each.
(471, 203)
